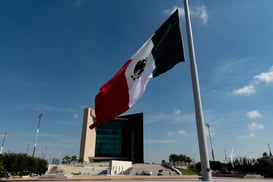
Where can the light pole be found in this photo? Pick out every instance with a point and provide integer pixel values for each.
(37, 132)
(3, 142)
(212, 153)
(270, 153)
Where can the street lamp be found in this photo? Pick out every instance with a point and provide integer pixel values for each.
(270, 153)
(3, 142)
(212, 153)
(37, 132)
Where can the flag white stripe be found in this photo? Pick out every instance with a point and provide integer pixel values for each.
(137, 87)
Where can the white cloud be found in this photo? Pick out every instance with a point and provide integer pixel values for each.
(248, 136)
(197, 12)
(45, 108)
(200, 12)
(246, 90)
(264, 77)
(255, 126)
(175, 133)
(253, 114)
(174, 117)
(181, 132)
(177, 112)
(36, 107)
(170, 11)
(158, 141)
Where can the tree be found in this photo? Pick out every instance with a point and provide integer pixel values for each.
(66, 160)
(172, 157)
(179, 158)
(20, 162)
(265, 154)
(74, 158)
(2, 169)
(218, 166)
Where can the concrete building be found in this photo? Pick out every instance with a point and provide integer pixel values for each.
(119, 139)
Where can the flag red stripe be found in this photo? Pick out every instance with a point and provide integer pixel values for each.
(113, 98)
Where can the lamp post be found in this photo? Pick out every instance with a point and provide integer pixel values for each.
(212, 153)
(270, 153)
(37, 132)
(3, 142)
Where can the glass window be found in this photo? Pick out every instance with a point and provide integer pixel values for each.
(108, 139)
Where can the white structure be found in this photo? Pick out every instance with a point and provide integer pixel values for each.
(118, 167)
(88, 139)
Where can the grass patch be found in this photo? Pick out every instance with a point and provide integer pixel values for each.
(188, 171)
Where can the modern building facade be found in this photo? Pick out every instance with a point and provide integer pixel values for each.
(119, 139)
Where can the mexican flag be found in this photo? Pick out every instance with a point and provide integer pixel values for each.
(159, 53)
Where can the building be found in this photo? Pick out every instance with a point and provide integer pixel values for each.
(119, 139)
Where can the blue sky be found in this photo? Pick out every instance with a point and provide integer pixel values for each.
(55, 55)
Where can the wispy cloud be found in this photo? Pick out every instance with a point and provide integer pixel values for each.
(255, 126)
(181, 132)
(178, 132)
(159, 141)
(36, 107)
(41, 134)
(45, 108)
(176, 116)
(66, 123)
(264, 77)
(230, 68)
(197, 12)
(246, 90)
(200, 12)
(253, 114)
(247, 136)
(76, 115)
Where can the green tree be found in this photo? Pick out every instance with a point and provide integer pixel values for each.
(2, 169)
(180, 158)
(218, 166)
(265, 154)
(172, 157)
(42, 166)
(66, 160)
(15, 163)
(74, 158)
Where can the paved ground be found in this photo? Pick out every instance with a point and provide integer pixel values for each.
(140, 178)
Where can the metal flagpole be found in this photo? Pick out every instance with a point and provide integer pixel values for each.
(205, 167)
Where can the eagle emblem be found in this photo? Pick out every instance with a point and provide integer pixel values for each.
(139, 68)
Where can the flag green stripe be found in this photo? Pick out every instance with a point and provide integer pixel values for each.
(168, 47)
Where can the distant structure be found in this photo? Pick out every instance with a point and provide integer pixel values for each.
(3, 142)
(119, 139)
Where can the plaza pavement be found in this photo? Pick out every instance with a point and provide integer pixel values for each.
(183, 178)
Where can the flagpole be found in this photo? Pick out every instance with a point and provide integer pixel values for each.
(205, 166)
